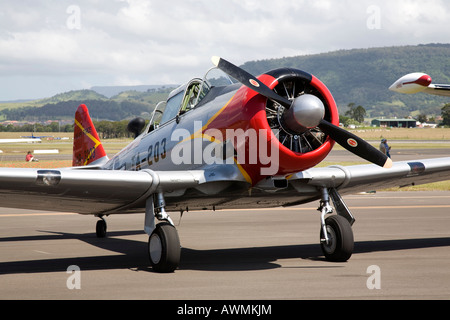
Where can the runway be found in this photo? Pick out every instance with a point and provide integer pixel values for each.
(402, 243)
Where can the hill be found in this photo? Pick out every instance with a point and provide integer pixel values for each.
(362, 76)
(111, 91)
(126, 105)
(72, 95)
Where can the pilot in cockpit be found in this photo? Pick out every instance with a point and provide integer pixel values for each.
(190, 98)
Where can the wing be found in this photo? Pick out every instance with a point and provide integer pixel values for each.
(351, 179)
(438, 89)
(90, 191)
(304, 186)
(84, 191)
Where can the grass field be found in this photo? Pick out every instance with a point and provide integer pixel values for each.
(41, 164)
(440, 138)
(64, 146)
(437, 134)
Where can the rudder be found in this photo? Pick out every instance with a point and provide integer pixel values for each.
(87, 147)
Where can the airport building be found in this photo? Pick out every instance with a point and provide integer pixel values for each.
(395, 123)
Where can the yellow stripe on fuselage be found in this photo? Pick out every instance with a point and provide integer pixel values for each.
(199, 134)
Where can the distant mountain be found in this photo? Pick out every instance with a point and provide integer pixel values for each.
(362, 76)
(125, 105)
(16, 101)
(110, 91)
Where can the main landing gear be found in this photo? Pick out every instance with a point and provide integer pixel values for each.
(336, 234)
(164, 248)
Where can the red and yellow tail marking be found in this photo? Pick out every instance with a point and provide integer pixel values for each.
(86, 145)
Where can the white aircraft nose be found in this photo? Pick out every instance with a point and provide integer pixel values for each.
(411, 83)
(393, 86)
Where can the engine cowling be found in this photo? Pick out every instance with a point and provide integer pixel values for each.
(300, 146)
(292, 142)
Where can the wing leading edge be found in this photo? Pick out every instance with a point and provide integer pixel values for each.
(351, 179)
(100, 192)
(87, 191)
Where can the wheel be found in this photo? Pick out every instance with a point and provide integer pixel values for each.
(164, 248)
(100, 228)
(340, 235)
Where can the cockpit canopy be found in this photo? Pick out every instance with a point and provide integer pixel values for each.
(186, 97)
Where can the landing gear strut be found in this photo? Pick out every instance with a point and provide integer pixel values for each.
(336, 234)
(164, 248)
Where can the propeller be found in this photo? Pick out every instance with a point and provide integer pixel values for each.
(306, 112)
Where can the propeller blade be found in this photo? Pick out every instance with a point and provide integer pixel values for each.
(344, 138)
(355, 144)
(249, 80)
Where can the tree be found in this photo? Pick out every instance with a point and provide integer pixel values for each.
(422, 118)
(343, 119)
(445, 112)
(356, 113)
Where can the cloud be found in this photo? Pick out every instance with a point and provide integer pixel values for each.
(72, 43)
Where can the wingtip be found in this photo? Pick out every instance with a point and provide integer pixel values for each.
(215, 60)
(388, 163)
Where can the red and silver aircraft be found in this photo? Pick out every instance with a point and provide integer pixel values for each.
(218, 144)
(419, 82)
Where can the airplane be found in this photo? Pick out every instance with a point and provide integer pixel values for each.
(35, 137)
(419, 82)
(228, 140)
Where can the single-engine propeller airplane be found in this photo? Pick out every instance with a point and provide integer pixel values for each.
(419, 82)
(224, 142)
(35, 137)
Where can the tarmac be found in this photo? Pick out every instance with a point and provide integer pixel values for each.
(402, 242)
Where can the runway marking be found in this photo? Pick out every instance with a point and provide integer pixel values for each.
(43, 252)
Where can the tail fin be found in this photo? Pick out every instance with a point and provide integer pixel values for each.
(87, 147)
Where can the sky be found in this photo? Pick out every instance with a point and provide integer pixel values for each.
(53, 46)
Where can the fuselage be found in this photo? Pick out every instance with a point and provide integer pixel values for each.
(228, 126)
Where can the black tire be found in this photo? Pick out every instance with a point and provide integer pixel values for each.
(340, 234)
(164, 248)
(100, 228)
